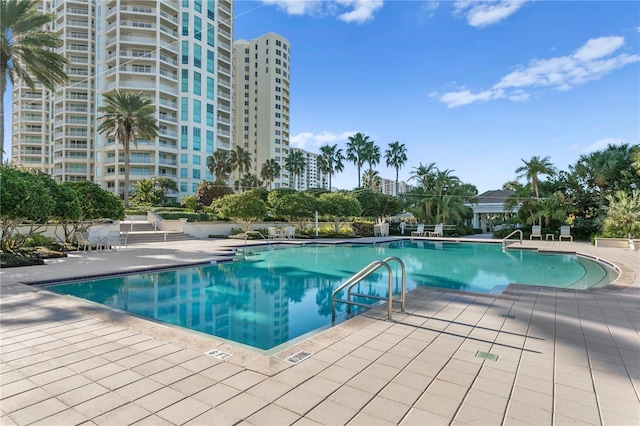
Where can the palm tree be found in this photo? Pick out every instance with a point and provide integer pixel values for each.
(534, 167)
(219, 164)
(372, 155)
(27, 51)
(251, 181)
(396, 156)
(241, 161)
(128, 117)
(330, 160)
(356, 150)
(424, 175)
(371, 179)
(270, 171)
(295, 164)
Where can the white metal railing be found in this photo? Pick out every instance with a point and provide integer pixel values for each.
(364, 273)
(504, 240)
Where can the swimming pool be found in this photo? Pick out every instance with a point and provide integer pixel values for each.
(268, 297)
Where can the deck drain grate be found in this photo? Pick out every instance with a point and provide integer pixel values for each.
(218, 354)
(487, 356)
(507, 316)
(299, 356)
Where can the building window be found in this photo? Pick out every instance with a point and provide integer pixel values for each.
(198, 5)
(183, 172)
(211, 35)
(197, 83)
(196, 160)
(185, 52)
(210, 61)
(197, 111)
(197, 28)
(197, 55)
(210, 88)
(196, 139)
(209, 142)
(184, 109)
(185, 81)
(209, 115)
(184, 137)
(185, 24)
(183, 158)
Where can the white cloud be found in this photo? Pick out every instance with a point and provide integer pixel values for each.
(487, 12)
(358, 11)
(600, 145)
(308, 140)
(587, 63)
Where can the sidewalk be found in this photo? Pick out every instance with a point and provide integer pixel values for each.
(562, 357)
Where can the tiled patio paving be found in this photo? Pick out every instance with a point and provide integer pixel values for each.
(564, 357)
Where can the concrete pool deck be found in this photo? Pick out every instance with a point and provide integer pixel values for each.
(563, 356)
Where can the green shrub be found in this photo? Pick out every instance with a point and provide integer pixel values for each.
(190, 216)
(362, 228)
(135, 212)
(36, 240)
(10, 260)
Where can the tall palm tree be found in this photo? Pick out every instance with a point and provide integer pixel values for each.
(396, 156)
(295, 164)
(533, 168)
(219, 164)
(372, 155)
(127, 116)
(27, 51)
(330, 160)
(241, 161)
(356, 150)
(270, 170)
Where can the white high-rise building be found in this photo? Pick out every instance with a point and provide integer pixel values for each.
(311, 177)
(178, 53)
(261, 101)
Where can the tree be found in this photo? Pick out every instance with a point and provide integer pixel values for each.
(330, 160)
(395, 157)
(127, 116)
(24, 197)
(369, 203)
(424, 175)
(372, 154)
(270, 170)
(356, 151)
(371, 180)
(164, 185)
(339, 208)
(250, 181)
(297, 208)
(244, 209)
(623, 215)
(209, 191)
(295, 164)
(241, 161)
(27, 51)
(533, 168)
(145, 193)
(219, 165)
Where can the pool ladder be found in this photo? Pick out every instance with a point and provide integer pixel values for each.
(504, 240)
(364, 273)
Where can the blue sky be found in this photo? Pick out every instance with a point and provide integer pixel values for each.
(474, 86)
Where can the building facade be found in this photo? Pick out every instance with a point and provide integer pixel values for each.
(311, 177)
(178, 53)
(261, 101)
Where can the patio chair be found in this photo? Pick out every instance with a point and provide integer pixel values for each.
(536, 232)
(273, 233)
(98, 240)
(565, 232)
(438, 231)
(289, 232)
(82, 240)
(419, 232)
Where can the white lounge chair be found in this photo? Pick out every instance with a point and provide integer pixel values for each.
(565, 232)
(419, 232)
(273, 233)
(536, 232)
(82, 240)
(438, 231)
(289, 232)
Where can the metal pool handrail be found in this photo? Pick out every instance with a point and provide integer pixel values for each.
(359, 276)
(504, 240)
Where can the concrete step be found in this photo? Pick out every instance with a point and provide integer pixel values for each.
(136, 227)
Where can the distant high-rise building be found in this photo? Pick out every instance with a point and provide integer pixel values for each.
(178, 53)
(388, 186)
(261, 101)
(311, 177)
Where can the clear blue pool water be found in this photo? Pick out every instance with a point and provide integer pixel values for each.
(270, 296)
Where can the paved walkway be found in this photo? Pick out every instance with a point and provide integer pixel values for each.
(563, 357)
